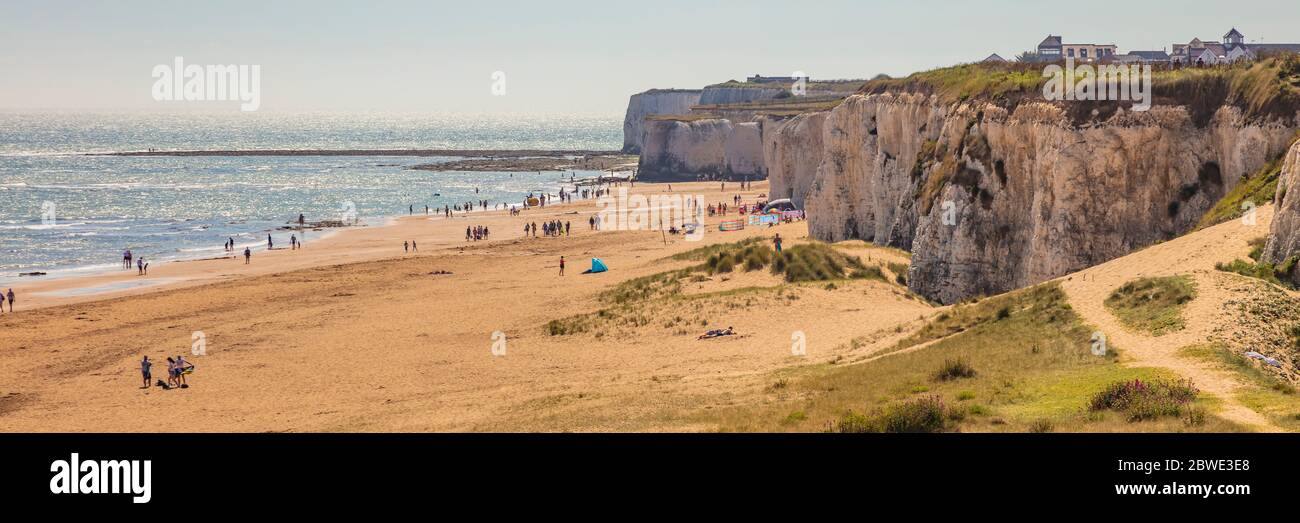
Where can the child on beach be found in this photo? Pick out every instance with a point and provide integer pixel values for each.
(561, 266)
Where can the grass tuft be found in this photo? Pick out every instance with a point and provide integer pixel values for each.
(1146, 400)
(1152, 305)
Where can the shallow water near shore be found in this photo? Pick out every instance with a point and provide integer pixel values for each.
(67, 213)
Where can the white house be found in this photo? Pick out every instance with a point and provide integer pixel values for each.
(1233, 48)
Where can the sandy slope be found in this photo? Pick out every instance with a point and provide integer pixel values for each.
(1194, 254)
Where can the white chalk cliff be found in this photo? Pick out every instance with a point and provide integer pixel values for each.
(650, 103)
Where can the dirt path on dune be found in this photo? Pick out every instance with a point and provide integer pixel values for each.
(1194, 255)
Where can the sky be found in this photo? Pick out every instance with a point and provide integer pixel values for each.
(558, 57)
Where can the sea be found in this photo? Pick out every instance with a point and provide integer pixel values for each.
(65, 209)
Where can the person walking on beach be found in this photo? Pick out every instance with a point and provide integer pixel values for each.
(566, 228)
(11, 300)
(171, 372)
(414, 247)
(777, 242)
(145, 366)
(140, 266)
(248, 255)
(561, 266)
(302, 220)
(293, 242)
(126, 259)
(181, 367)
(232, 244)
(406, 247)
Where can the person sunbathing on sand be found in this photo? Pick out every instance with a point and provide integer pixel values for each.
(717, 333)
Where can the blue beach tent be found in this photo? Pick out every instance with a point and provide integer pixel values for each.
(597, 266)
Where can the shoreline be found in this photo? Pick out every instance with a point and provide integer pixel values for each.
(487, 153)
(436, 234)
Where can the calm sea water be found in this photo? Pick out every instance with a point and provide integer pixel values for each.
(185, 207)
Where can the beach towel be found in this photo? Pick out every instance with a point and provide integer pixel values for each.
(1267, 360)
(732, 225)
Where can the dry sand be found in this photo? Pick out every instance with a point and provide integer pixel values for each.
(350, 334)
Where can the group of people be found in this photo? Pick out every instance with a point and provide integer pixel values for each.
(177, 369)
(551, 228)
(476, 233)
(10, 296)
(744, 185)
(141, 266)
(410, 246)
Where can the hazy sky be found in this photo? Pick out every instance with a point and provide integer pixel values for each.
(582, 57)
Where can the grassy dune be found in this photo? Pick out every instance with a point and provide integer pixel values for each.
(1018, 362)
(1263, 393)
(1153, 305)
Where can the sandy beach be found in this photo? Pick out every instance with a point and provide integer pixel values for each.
(352, 334)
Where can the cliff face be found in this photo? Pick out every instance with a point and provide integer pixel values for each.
(792, 152)
(734, 95)
(710, 149)
(989, 201)
(1284, 235)
(652, 102)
